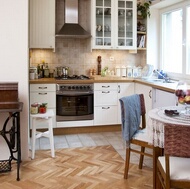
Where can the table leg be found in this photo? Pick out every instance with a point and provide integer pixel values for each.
(156, 152)
(18, 147)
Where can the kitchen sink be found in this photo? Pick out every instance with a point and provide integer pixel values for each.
(154, 80)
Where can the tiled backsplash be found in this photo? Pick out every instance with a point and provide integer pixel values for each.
(75, 54)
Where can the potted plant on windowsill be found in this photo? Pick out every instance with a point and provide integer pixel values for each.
(143, 9)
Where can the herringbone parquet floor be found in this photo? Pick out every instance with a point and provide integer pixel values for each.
(98, 167)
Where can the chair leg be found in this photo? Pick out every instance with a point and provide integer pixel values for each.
(33, 137)
(127, 163)
(141, 158)
(51, 137)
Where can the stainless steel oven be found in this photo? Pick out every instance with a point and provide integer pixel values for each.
(74, 102)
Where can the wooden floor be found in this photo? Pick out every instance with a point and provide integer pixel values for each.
(98, 167)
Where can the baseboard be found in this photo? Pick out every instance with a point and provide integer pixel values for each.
(90, 129)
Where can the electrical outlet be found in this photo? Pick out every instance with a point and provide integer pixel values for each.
(111, 58)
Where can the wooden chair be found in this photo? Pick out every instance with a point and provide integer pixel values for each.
(173, 168)
(140, 138)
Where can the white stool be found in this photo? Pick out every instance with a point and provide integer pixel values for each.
(46, 117)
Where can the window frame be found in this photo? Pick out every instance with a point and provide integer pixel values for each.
(183, 6)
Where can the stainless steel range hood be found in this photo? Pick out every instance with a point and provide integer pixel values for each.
(71, 28)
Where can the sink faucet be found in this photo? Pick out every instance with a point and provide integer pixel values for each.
(166, 79)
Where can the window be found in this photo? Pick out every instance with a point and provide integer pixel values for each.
(175, 39)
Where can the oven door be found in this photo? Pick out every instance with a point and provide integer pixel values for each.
(74, 107)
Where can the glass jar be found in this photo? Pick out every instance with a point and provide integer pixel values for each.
(34, 108)
(42, 109)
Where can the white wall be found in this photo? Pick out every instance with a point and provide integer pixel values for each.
(14, 57)
(153, 38)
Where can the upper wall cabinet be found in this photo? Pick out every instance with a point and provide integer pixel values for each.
(114, 24)
(42, 24)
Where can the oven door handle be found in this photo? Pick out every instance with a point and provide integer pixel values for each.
(73, 94)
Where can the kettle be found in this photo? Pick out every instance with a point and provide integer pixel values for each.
(65, 71)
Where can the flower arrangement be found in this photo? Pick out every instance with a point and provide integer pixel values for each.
(143, 9)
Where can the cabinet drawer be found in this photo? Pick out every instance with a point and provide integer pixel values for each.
(105, 97)
(42, 87)
(105, 86)
(44, 97)
(105, 115)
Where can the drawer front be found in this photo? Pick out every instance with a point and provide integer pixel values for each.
(42, 87)
(105, 97)
(105, 115)
(105, 86)
(44, 97)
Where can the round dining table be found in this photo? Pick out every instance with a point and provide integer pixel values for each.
(157, 119)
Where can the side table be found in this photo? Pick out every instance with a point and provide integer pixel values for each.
(12, 136)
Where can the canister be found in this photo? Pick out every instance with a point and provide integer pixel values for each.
(32, 76)
(129, 71)
(135, 72)
(118, 71)
(139, 71)
(123, 71)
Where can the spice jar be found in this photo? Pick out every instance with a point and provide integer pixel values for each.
(42, 109)
(34, 108)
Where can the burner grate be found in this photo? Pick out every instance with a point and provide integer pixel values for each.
(73, 77)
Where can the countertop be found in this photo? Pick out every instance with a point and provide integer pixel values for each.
(169, 87)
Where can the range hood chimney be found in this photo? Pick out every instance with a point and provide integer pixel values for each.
(71, 28)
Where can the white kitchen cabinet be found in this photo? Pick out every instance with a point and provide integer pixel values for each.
(44, 93)
(105, 103)
(114, 24)
(163, 98)
(42, 24)
(147, 92)
(124, 89)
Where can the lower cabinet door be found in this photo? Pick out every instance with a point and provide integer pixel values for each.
(105, 115)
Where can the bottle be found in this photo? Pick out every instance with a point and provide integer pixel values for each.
(46, 71)
(42, 71)
(99, 65)
(38, 69)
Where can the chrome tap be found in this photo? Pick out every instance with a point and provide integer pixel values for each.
(166, 79)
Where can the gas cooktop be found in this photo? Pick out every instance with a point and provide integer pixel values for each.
(74, 77)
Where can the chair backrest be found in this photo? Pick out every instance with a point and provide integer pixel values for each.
(143, 109)
(177, 140)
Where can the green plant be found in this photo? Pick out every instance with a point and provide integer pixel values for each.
(143, 9)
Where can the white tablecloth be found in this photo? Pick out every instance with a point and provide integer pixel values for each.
(157, 120)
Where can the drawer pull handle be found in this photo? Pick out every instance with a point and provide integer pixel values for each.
(119, 89)
(42, 93)
(106, 86)
(105, 108)
(105, 91)
(42, 87)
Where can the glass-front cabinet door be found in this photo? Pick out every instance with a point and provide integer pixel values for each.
(114, 24)
(126, 21)
(103, 24)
